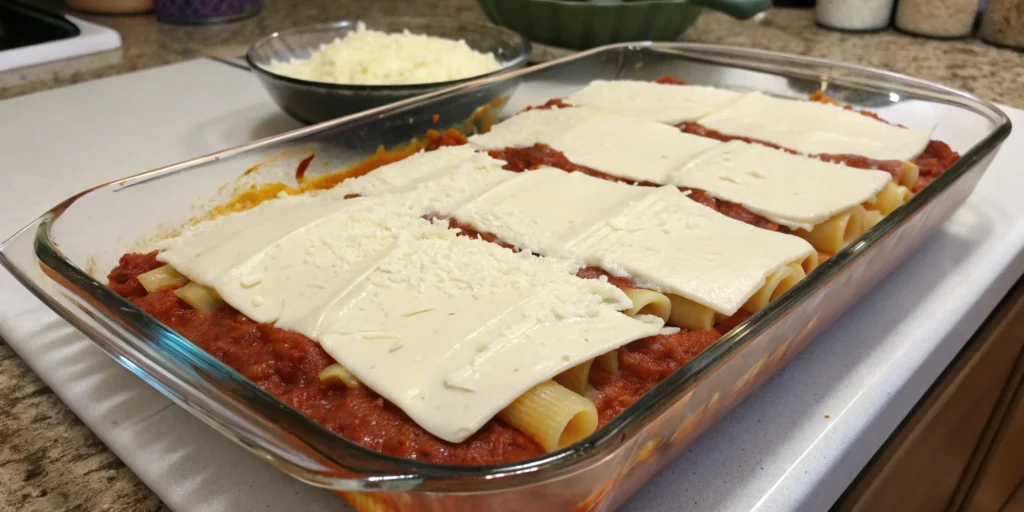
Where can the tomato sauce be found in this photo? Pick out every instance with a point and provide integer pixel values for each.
(622, 283)
(893, 167)
(695, 128)
(540, 155)
(287, 365)
(740, 213)
(300, 170)
(449, 137)
(935, 160)
(642, 364)
(670, 80)
(550, 104)
(468, 231)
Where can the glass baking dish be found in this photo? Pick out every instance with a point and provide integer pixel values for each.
(63, 256)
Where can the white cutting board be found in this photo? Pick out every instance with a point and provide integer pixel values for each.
(776, 451)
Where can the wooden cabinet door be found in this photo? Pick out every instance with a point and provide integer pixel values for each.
(961, 448)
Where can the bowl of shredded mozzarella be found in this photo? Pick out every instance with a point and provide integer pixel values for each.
(331, 70)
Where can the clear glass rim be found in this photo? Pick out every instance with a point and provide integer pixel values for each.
(525, 50)
(382, 472)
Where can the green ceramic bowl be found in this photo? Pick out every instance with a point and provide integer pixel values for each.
(580, 24)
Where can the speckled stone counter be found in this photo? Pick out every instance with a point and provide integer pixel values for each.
(995, 74)
(51, 461)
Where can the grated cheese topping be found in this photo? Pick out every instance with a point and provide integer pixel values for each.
(371, 57)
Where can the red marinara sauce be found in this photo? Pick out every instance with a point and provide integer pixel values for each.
(643, 364)
(287, 365)
(553, 103)
(519, 159)
(670, 80)
(468, 231)
(300, 170)
(935, 160)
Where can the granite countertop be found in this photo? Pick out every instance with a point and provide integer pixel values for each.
(993, 73)
(50, 461)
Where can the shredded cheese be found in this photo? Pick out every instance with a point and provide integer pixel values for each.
(371, 57)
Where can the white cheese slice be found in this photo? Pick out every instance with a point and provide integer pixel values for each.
(211, 248)
(413, 171)
(449, 329)
(434, 181)
(664, 103)
(621, 146)
(657, 236)
(539, 210)
(453, 331)
(668, 242)
(815, 128)
(543, 126)
(283, 257)
(792, 190)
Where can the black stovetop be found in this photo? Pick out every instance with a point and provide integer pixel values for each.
(25, 25)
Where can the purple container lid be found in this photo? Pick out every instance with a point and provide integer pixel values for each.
(205, 11)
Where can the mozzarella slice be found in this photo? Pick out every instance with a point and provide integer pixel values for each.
(441, 179)
(668, 242)
(620, 146)
(664, 103)
(449, 329)
(791, 190)
(453, 331)
(543, 126)
(540, 210)
(657, 236)
(815, 128)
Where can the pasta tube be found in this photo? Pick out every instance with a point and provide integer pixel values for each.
(905, 195)
(810, 262)
(338, 373)
(892, 196)
(872, 217)
(576, 378)
(609, 362)
(162, 278)
(837, 232)
(552, 415)
(687, 314)
(909, 176)
(199, 297)
(648, 302)
(777, 283)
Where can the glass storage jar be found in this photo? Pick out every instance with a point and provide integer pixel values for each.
(854, 15)
(936, 18)
(1003, 23)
